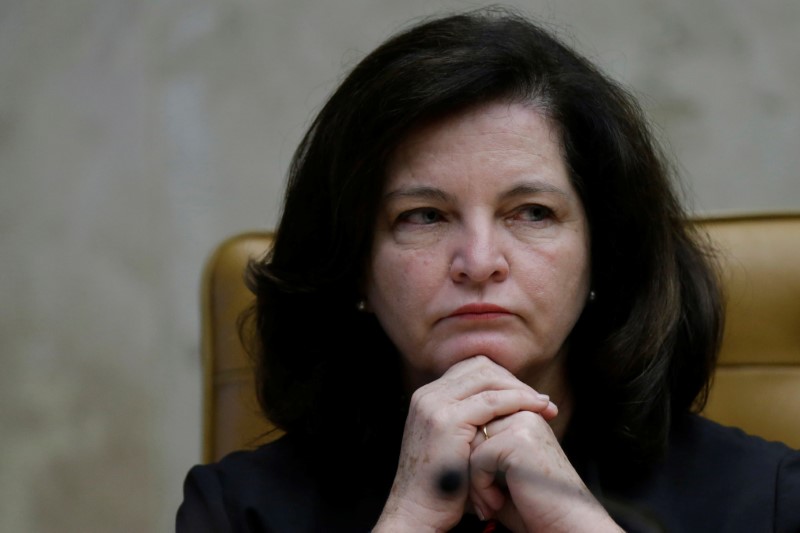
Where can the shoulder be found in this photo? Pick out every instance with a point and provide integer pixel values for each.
(725, 455)
(719, 478)
(702, 441)
(281, 486)
(254, 490)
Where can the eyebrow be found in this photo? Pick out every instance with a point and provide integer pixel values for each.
(532, 187)
(423, 192)
(434, 193)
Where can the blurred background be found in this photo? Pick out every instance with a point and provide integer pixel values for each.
(136, 135)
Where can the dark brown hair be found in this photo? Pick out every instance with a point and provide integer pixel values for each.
(642, 352)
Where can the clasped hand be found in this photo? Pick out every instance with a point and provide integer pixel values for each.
(520, 475)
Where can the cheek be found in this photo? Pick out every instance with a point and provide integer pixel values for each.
(401, 279)
(561, 275)
(400, 294)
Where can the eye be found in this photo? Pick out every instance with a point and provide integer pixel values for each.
(534, 213)
(422, 216)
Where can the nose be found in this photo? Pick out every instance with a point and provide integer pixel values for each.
(478, 257)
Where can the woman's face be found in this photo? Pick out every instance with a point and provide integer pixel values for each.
(481, 245)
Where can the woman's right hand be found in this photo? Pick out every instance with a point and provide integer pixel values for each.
(443, 418)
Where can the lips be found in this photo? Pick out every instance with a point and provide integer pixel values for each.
(480, 311)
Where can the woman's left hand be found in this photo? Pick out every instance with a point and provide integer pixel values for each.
(521, 476)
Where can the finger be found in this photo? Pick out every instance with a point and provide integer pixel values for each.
(551, 411)
(485, 491)
(479, 373)
(487, 500)
(485, 406)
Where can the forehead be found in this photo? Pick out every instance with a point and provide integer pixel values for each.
(503, 136)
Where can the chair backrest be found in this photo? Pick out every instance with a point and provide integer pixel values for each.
(756, 385)
(757, 382)
(232, 419)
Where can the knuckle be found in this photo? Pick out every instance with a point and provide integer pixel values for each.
(491, 397)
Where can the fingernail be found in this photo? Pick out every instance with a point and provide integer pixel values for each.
(480, 513)
(544, 397)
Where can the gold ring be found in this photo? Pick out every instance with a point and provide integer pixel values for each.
(485, 432)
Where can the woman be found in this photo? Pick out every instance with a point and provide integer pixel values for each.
(484, 309)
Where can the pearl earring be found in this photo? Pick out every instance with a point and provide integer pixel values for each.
(592, 295)
(361, 305)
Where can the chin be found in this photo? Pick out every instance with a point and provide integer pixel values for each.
(514, 357)
(519, 356)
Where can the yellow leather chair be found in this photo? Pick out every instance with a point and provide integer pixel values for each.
(231, 416)
(756, 386)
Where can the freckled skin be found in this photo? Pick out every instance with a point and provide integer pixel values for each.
(482, 247)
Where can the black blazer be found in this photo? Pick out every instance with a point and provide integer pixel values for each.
(713, 479)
